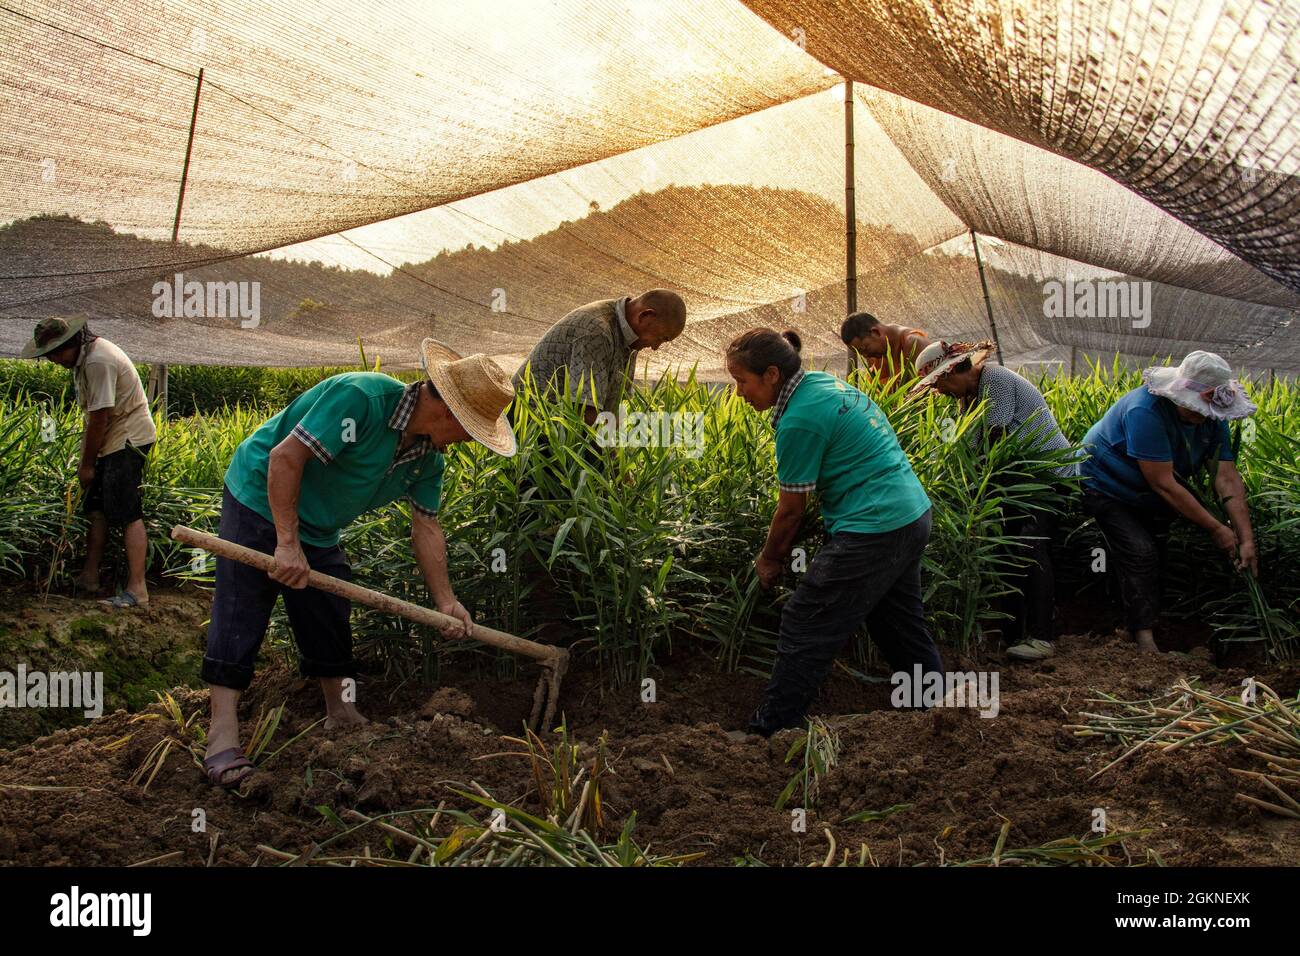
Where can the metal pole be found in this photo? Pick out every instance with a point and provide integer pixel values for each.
(850, 219)
(988, 306)
(158, 374)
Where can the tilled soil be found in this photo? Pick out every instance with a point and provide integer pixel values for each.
(693, 788)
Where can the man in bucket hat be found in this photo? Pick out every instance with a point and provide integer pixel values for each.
(1143, 451)
(352, 443)
(119, 432)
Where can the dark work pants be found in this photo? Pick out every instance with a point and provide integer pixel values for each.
(854, 578)
(1033, 604)
(1137, 542)
(245, 596)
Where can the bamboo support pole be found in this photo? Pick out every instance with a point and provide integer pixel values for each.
(988, 305)
(850, 220)
(554, 660)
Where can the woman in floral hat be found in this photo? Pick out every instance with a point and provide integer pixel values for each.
(1143, 452)
(1014, 406)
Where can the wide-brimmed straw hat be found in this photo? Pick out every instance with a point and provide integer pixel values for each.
(476, 390)
(1202, 383)
(50, 334)
(938, 359)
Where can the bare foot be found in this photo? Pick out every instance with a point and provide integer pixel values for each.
(1147, 644)
(347, 716)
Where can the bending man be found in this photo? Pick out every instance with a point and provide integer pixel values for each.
(889, 349)
(350, 444)
(594, 345)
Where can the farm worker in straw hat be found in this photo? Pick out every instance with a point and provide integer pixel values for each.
(831, 438)
(350, 444)
(1143, 451)
(960, 370)
(118, 434)
(889, 349)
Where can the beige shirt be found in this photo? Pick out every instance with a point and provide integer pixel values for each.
(105, 378)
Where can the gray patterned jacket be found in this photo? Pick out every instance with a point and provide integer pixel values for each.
(594, 343)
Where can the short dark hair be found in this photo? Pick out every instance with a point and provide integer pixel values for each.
(857, 324)
(759, 349)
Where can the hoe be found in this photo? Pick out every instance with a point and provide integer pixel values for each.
(554, 660)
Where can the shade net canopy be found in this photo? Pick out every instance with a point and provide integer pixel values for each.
(1190, 103)
(446, 170)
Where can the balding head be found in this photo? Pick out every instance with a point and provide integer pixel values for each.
(656, 316)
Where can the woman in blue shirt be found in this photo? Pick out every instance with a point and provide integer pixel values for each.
(833, 439)
(1143, 451)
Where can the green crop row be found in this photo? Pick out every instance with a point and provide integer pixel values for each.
(191, 389)
(633, 549)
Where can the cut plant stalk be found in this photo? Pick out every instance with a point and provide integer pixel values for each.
(554, 660)
(1200, 718)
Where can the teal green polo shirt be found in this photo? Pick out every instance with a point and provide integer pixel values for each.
(353, 425)
(833, 439)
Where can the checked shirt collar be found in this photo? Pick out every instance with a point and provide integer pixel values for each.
(625, 330)
(784, 398)
(400, 419)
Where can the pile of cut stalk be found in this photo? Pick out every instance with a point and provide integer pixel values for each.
(1266, 725)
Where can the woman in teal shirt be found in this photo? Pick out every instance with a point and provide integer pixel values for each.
(831, 438)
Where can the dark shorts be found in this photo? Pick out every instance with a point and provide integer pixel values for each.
(115, 489)
(245, 597)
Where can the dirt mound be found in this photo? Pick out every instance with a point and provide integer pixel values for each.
(139, 652)
(694, 789)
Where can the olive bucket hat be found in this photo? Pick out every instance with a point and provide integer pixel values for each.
(50, 334)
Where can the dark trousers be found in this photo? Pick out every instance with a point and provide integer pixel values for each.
(854, 578)
(1137, 542)
(245, 596)
(1032, 605)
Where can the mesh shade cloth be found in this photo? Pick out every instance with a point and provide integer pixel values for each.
(317, 117)
(1190, 103)
(637, 179)
(1002, 187)
(740, 216)
(1175, 320)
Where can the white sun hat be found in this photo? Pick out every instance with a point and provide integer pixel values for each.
(1202, 383)
(938, 358)
(476, 390)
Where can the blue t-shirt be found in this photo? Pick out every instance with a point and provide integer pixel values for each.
(1146, 427)
(833, 439)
